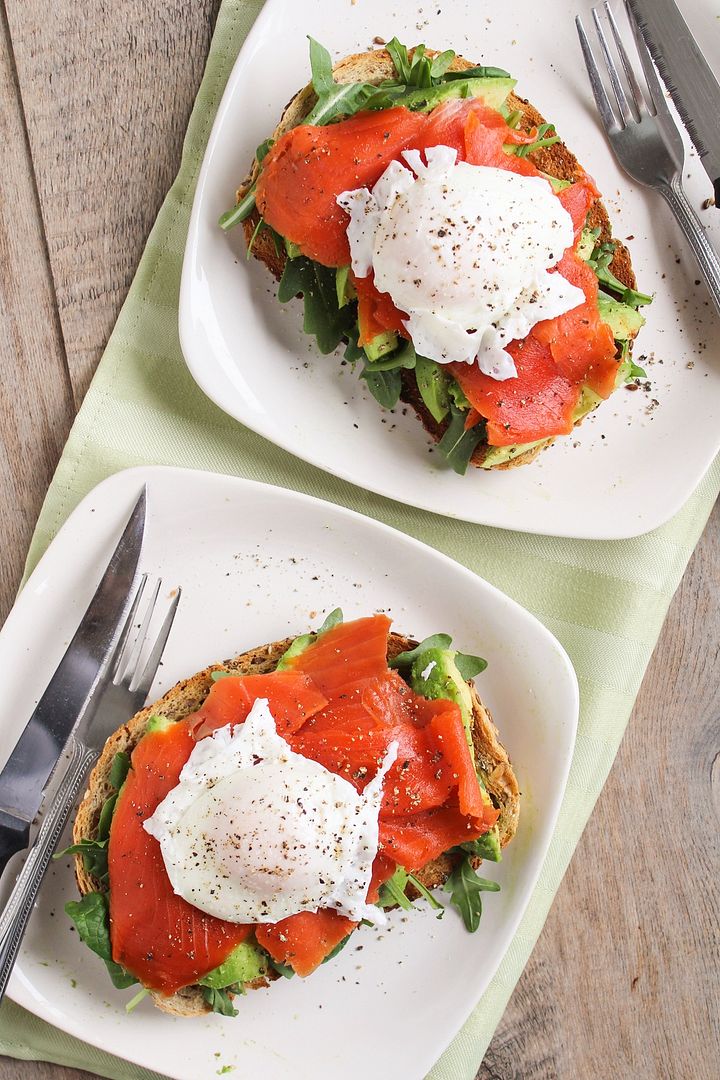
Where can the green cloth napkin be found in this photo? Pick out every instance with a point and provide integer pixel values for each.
(605, 601)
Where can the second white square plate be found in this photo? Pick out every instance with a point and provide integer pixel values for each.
(628, 468)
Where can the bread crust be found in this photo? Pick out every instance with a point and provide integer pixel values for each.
(556, 160)
(188, 695)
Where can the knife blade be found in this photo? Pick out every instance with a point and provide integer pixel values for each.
(72, 693)
(687, 76)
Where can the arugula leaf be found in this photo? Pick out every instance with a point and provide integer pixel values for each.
(92, 920)
(441, 63)
(323, 317)
(458, 445)
(426, 895)
(636, 372)
(333, 99)
(435, 641)
(353, 351)
(135, 1001)
(94, 853)
(469, 666)
(543, 139)
(465, 887)
(119, 769)
(219, 1001)
(392, 892)
(385, 386)
(600, 259)
(239, 212)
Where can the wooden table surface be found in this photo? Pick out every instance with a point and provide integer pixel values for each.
(94, 102)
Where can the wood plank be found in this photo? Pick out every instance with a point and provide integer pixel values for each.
(35, 400)
(107, 91)
(624, 979)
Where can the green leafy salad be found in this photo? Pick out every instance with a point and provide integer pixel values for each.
(432, 669)
(389, 364)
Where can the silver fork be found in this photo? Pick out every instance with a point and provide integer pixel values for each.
(130, 684)
(642, 132)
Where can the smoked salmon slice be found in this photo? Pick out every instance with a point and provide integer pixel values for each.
(157, 936)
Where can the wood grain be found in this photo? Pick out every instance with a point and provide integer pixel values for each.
(35, 401)
(107, 90)
(623, 978)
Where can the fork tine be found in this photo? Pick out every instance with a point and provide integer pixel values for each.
(638, 96)
(123, 639)
(656, 90)
(132, 663)
(620, 97)
(607, 115)
(144, 682)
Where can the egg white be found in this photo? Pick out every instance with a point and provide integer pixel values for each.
(465, 250)
(254, 832)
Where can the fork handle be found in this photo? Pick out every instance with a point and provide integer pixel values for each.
(689, 222)
(18, 909)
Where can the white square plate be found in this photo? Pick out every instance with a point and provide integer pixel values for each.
(257, 563)
(627, 469)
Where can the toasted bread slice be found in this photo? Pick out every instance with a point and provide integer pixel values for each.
(556, 160)
(188, 695)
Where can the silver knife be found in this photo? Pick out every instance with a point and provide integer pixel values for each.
(72, 694)
(687, 75)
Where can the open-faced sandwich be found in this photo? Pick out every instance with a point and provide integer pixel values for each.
(434, 222)
(244, 825)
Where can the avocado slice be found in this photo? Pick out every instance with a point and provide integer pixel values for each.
(432, 384)
(493, 91)
(381, 345)
(344, 286)
(434, 674)
(158, 723)
(246, 962)
(624, 320)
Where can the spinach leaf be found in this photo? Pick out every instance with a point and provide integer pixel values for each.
(435, 641)
(282, 969)
(478, 72)
(219, 1001)
(105, 819)
(404, 357)
(119, 769)
(338, 948)
(323, 317)
(92, 920)
(399, 57)
(385, 386)
(458, 445)
(469, 666)
(465, 887)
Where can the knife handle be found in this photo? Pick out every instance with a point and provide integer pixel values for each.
(18, 909)
(14, 837)
(704, 252)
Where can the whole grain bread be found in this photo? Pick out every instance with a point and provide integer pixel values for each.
(188, 695)
(373, 67)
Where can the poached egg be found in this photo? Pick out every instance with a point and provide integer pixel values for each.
(465, 250)
(254, 832)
